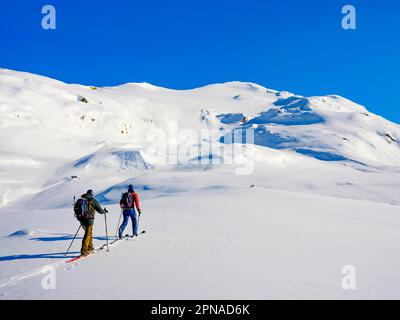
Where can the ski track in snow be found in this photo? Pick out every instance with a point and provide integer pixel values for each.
(63, 264)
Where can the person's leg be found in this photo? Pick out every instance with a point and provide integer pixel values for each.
(90, 239)
(85, 243)
(134, 223)
(124, 223)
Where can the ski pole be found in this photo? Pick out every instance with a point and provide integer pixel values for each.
(73, 240)
(105, 219)
(119, 220)
(138, 220)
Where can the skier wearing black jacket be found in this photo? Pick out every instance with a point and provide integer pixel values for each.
(87, 219)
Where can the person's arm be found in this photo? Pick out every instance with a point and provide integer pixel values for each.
(97, 207)
(136, 200)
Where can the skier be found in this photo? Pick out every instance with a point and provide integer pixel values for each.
(87, 219)
(128, 202)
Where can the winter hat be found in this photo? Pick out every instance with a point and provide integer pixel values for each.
(90, 192)
(130, 188)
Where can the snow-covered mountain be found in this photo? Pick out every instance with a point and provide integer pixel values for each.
(51, 131)
(319, 173)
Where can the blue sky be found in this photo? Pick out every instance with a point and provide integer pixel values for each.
(292, 45)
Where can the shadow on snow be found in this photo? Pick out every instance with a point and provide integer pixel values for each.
(56, 255)
(65, 238)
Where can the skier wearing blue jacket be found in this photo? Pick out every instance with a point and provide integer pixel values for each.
(128, 202)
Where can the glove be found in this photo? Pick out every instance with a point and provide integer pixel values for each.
(140, 211)
(105, 210)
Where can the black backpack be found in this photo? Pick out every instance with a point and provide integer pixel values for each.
(81, 209)
(127, 200)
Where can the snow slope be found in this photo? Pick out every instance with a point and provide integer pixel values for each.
(269, 245)
(317, 189)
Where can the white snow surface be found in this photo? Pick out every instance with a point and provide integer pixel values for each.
(321, 192)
